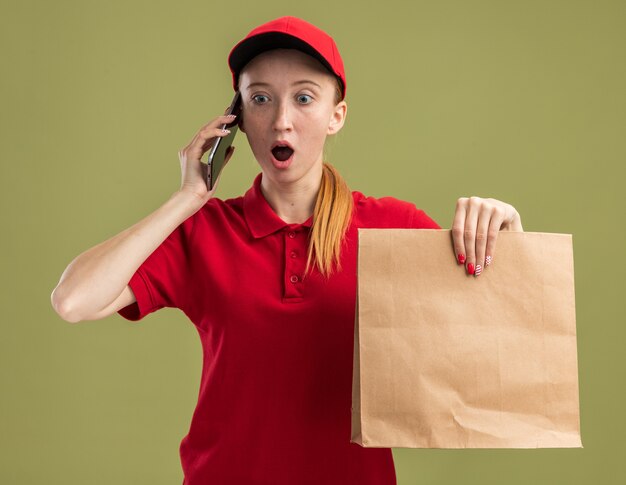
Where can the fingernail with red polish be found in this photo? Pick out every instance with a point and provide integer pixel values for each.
(487, 260)
(470, 268)
(478, 270)
(461, 258)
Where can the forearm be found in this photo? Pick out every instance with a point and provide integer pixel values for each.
(96, 277)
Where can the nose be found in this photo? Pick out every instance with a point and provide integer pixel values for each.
(282, 117)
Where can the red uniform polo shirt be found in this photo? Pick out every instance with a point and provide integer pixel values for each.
(274, 405)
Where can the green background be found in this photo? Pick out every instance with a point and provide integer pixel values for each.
(521, 101)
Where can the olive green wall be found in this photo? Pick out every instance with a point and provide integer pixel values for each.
(522, 101)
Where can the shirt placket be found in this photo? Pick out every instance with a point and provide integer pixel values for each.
(295, 254)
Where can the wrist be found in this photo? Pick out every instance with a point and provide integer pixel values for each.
(187, 201)
(515, 223)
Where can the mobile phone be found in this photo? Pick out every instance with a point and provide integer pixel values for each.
(217, 153)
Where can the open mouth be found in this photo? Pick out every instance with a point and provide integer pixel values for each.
(282, 152)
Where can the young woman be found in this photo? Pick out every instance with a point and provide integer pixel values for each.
(268, 278)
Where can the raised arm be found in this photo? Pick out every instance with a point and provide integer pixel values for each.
(95, 284)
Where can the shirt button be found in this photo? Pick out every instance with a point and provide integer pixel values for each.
(292, 234)
(293, 279)
(293, 254)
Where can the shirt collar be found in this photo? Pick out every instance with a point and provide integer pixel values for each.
(259, 215)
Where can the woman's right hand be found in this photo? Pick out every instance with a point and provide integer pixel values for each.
(193, 170)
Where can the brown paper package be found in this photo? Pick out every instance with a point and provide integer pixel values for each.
(443, 359)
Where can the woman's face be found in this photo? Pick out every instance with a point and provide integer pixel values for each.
(289, 99)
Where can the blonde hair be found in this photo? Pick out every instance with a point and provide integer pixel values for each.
(331, 219)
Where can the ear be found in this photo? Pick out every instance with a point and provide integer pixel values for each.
(337, 118)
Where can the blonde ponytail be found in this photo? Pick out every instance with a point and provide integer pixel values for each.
(331, 218)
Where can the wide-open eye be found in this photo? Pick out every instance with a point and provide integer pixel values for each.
(304, 99)
(260, 98)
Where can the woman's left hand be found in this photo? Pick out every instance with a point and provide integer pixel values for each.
(475, 229)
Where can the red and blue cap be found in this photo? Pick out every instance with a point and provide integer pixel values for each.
(288, 33)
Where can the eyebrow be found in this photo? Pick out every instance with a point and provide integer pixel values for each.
(304, 81)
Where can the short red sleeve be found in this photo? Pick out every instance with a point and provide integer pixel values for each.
(161, 280)
(420, 220)
(390, 212)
